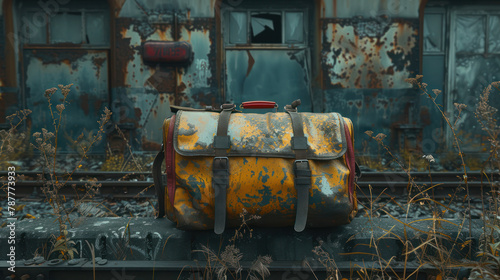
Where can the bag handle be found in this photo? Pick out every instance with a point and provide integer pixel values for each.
(258, 105)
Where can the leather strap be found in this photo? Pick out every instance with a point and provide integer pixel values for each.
(350, 162)
(160, 190)
(301, 167)
(170, 161)
(220, 168)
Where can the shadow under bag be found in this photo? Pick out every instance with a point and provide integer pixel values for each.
(288, 168)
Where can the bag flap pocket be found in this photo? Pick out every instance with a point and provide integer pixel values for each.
(260, 135)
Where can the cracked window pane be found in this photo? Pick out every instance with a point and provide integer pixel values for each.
(238, 28)
(494, 38)
(470, 34)
(433, 33)
(97, 29)
(66, 28)
(294, 28)
(266, 28)
(36, 29)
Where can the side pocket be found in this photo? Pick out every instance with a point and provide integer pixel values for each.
(168, 126)
(352, 166)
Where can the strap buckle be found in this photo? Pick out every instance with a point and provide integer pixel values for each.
(226, 160)
(228, 106)
(220, 171)
(302, 173)
(298, 161)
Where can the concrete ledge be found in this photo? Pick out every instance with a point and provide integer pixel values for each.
(158, 239)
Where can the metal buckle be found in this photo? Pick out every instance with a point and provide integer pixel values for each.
(228, 106)
(300, 161)
(226, 159)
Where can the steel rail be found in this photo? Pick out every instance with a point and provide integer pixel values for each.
(131, 184)
(144, 269)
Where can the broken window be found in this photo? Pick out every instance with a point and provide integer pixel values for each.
(433, 32)
(494, 39)
(273, 27)
(238, 28)
(470, 33)
(434, 56)
(96, 28)
(66, 28)
(266, 28)
(294, 27)
(35, 28)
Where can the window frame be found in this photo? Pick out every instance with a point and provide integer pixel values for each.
(444, 20)
(249, 45)
(451, 54)
(83, 25)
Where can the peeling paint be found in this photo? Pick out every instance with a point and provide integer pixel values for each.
(46, 69)
(372, 8)
(354, 61)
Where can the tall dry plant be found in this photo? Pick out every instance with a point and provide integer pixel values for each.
(489, 265)
(12, 141)
(46, 142)
(432, 248)
(226, 264)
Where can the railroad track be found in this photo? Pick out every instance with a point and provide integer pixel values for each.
(156, 247)
(140, 184)
(85, 269)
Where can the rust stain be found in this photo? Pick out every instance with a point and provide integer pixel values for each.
(117, 5)
(382, 55)
(251, 62)
(84, 101)
(425, 116)
(162, 33)
(323, 8)
(6, 100)
(150, 145)
(98, 104)
(124, 53)
(60, 57)
(137, 113)
(335, 8)
(98, 62)
(163, 80)
(66, 61)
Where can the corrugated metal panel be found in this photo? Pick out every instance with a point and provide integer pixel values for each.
(197, 83)
(388, 111)
(369, 53)
(10, 100)
(371, 8)
(142, 96)
(473, 74)
(141, 8)
(277, 75)
(87, 70)
(191, 84)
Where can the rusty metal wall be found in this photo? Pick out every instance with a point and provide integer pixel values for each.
(143, 91)
(8, 91)
(87, 70)
(372, 8)
(368, 50)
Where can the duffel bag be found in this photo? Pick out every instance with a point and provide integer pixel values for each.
(287, 168)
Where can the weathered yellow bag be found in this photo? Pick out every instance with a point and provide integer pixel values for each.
(288, 168)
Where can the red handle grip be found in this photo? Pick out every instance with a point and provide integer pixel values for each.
(258, 105)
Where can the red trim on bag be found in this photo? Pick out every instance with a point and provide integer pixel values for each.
(258, 105)
(170, 161)
(350, 161)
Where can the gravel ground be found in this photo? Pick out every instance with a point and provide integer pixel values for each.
(101, 207)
